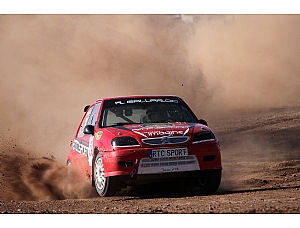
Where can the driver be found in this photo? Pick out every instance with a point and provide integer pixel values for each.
(156, 115)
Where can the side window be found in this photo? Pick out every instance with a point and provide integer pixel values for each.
(85, 122)
(93, 118)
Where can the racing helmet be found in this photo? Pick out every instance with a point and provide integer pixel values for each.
(156, 114)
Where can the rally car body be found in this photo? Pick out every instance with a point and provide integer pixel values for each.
(123, 141)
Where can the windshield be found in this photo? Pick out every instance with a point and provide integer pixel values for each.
(132, 111)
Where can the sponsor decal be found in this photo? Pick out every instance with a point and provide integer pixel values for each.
(176, 152)
(98, 135)
(161, 131)
(90, 150)
(170, 169)
(158, 125)
(80, 148)
(146, 101)
(84, 148)
(139, 133)
(164, 133)
(186, 131)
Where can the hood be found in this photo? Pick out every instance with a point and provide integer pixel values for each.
(152, 130)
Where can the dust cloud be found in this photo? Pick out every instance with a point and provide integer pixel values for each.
(249, 61)
(53, 65)
(29, 178)
(48, 180)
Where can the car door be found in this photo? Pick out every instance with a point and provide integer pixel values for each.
(87, 140)
(79, 158)
(83, 143)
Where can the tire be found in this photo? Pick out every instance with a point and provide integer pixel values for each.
(105, 186)
(209, 180)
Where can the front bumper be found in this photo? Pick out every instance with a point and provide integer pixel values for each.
(136, 161)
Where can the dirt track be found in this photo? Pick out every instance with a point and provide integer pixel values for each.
(261, 162)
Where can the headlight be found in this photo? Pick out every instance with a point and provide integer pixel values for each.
(124, 142)
(203, 136)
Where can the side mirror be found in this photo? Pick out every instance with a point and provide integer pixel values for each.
(86, 108)
(89, 130)
(202, 121)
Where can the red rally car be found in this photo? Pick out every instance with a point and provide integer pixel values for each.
(133, 140)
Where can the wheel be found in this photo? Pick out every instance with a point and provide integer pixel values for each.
(209, 180)
(105, 186)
